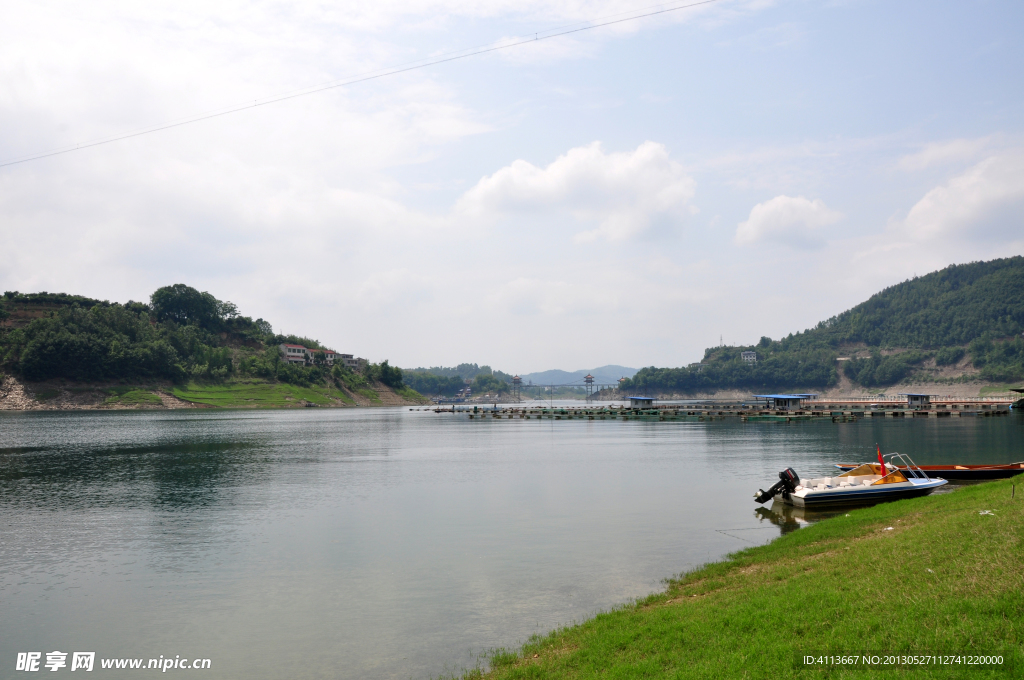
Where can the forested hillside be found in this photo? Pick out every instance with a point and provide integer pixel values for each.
(447, 381)
(180, 335)
(971, 315)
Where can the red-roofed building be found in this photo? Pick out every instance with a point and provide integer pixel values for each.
(298, 354)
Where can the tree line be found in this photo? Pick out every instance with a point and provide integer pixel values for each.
(448, 382)
(181, 334)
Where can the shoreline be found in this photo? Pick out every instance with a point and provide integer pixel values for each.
(16, 395)
(918, 576)
(965, 390)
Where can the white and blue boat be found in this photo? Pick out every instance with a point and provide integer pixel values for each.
(863, 485)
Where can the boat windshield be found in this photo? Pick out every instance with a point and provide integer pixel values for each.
(863, 470)
(893, 477)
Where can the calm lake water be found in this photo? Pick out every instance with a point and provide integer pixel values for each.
(382, 543)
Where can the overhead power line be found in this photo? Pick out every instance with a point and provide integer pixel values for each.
(372, 75)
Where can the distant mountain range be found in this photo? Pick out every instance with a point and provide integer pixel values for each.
(606, 375)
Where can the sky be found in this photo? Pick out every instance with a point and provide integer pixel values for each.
(630, 194)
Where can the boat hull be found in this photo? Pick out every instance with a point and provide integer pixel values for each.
(978, 472)
(861, 495)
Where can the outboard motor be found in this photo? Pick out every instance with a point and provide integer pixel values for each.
(788, 481)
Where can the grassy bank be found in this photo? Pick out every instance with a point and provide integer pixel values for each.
(234, 393)
(944, 578)
(260, 394)
(358, 384)
(131, 396)
(998, 390)
(409, 393)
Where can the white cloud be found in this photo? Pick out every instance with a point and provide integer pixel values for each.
(385, 292)
(937, 153)
(553, 298)
(796, 221)
(525, 50)
(620, 194)
(985, 200)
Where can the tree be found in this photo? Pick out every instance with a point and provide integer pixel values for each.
(385, 373)
(226, 310)
(485, 382)
(184, 304)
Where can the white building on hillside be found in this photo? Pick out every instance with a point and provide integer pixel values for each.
(294, 354)
(353, 362)
(298, 354)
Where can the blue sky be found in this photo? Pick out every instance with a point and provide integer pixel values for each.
(625, 195)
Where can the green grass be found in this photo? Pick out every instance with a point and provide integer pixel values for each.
(409, 393)
(355, 382)
(368, 393)
(999, 390)
(131, 396)
(260, 394)
(46, 394)
(944, 579)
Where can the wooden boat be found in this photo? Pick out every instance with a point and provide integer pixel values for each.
(862, 485)
(956, 471)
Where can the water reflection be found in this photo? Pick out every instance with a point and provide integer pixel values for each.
(186, 474)
(789, 518)
(937, 441)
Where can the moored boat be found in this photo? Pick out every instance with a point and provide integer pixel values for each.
(957, 471)
(864, 484)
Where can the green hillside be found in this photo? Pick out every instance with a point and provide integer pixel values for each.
(949, 307)
(181, 336)
(447, 381)
(972, 312)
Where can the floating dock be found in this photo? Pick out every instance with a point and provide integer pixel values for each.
(583, 413)
(838, 412)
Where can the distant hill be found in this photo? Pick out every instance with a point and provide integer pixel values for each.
(449, 380)
(465, 371)
(608, 375)
(952, 306)
(181, 336)
(968, 317)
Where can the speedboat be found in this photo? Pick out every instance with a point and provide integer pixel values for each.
(864, 484)
(958, 471)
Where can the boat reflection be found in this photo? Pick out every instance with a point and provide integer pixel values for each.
(789, 518)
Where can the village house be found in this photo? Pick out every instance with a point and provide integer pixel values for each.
(298, 354)
(349, 361)
(295, 354)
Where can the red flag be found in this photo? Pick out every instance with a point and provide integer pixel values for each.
(881, 462)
